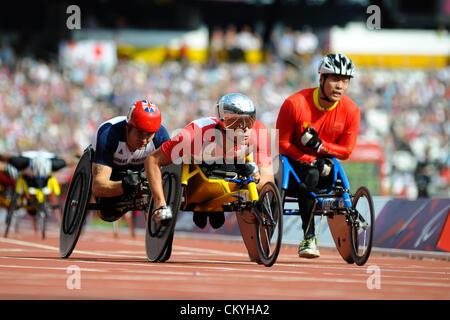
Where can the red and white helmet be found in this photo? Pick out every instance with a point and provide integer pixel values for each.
(145, 116)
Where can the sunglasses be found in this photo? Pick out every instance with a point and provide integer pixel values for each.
(235, 121)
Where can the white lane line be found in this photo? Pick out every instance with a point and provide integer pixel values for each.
(46, 268)
(222, 253)
(41, 246)
(11, 250)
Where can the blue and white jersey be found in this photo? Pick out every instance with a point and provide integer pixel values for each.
(110, 147)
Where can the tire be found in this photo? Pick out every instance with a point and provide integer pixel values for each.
(10, 213)
(158, 238)
(362, 228)
(269, 236)
(75, 208)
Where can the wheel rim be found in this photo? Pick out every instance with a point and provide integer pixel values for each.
(74, 203)
(270, 231)
(169, 181)
(362, 231)
(158, 238)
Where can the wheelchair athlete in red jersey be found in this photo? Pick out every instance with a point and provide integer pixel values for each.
(227, 140)
(314, 125)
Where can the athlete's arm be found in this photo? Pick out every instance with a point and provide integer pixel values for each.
(265, 175)
(153, 164)
(345, 144)
(286, 123)
(263, 155)
(102, 186)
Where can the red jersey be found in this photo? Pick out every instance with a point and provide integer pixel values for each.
(337, 127)
(201, 140)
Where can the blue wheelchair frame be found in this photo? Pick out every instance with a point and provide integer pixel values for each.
(339, 206)
(336, 198)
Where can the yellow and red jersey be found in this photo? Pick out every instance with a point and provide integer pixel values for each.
(202, 140)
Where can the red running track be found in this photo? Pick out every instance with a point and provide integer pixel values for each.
(203, 269)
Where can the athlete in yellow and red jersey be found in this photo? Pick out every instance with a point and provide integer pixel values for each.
(233, 137)
(314, 125)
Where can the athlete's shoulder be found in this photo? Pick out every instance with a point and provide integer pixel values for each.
(115, 124)
(110, 132)
(161, 136)
(302, 94)
(259, 125)
(300, 97)
(349, 104)
(204, 122)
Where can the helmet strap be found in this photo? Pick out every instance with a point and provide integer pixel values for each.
(322, 86)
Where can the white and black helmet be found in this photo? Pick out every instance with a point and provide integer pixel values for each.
(41, 167)
(235, 110)
(337, 63)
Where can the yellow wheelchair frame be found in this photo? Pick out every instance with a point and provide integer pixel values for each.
(210, 194)
(259, 215)
(32, 198)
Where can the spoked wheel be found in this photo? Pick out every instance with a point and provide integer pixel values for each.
(9, 215)
(75, 208)
(158, 238)
(269, 232)
(362, 227)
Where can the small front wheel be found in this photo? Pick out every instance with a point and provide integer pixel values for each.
(269, 229)
(362, 225)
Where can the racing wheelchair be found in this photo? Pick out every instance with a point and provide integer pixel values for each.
(78, 203)
(209, 190)
(7, 186)
(32, 192)
(350, 216)
(216, 188)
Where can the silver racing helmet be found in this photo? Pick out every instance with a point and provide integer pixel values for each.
(41, 167)
(235, 111)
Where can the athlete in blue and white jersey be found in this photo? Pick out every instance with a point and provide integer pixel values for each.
(121, 144)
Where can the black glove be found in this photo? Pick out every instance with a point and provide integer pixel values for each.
(131, 184)
(247, 169)
(325, 166)
(310, 138)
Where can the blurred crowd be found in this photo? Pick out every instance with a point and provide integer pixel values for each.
(47, 106)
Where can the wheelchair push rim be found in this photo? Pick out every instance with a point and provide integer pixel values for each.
(362, 226)
(75, 208)
(158, 238)
(269, 229)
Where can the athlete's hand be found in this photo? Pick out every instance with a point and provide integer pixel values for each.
(131, 184)
(325, 166)
(310, 138)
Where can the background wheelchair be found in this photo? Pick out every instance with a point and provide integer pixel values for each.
(78, 203)
(350, 216)
(7, 186)
(32, 193)
(210, 189)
